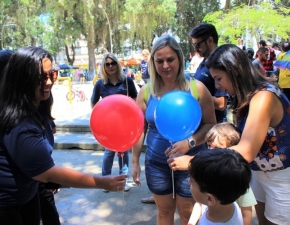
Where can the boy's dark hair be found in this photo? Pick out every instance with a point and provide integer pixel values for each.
(263, 50)
(223, 173)
(286, 46)
(263, 43)
(204, 30)
(250, 52)
(276, 45)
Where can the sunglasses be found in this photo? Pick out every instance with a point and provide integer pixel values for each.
(52, 75)
(197, 45)
(111, 64)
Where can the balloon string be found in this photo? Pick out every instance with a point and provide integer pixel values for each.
(123, 199)
(172, 176)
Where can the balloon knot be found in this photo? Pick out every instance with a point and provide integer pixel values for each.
(120, 154)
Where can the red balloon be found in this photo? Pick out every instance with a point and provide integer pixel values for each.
(117, 122)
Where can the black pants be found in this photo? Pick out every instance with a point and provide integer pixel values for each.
(48, 210)
(27, 214)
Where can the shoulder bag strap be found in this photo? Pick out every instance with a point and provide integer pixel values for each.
(146, 92)
(127, 86)
(193, 88)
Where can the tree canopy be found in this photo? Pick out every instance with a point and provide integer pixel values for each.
(261, 21)
(57, 24)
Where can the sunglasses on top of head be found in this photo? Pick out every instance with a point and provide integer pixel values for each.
(111, 64)
(52, 75)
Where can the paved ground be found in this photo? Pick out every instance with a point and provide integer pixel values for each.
(92, 206)
(77, 112)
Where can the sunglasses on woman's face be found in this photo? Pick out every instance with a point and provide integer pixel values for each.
(111, 64)
(52, 75)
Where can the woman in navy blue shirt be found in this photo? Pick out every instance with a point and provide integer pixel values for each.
(25, 107)
(113, 82)
(144, 65)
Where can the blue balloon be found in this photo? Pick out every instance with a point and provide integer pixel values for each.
(177, 115)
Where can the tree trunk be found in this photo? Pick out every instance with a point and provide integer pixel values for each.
(227, 5)
(70, 60)
(91, 51)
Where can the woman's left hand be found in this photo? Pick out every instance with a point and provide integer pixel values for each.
(180, 147)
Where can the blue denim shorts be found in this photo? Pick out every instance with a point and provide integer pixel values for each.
(159, 179)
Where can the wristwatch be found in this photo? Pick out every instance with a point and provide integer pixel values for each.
(191, 142)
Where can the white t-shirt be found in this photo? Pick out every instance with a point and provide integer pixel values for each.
(237, 218)
(195, 61)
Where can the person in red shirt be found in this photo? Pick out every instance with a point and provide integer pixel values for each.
(268, 64)
(262, 56)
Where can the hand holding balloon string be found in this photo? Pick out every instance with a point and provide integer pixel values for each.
(179, 162)
(177, 157)
(180, 147)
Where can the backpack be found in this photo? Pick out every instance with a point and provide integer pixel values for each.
(193, 90)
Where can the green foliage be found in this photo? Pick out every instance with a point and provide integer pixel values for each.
(261, 21)
(137, 20)
(189, 13)
(143, 16)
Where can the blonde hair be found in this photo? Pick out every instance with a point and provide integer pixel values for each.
(224, 132)
(119, 68)
(145, 52)
(156, 82)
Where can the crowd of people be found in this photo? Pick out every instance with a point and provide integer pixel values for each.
(215, 176)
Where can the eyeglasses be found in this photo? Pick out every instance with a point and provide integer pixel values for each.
(52, 75)
(111, 64)
(197, 45)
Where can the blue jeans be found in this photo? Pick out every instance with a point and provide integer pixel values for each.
(159, 179)
(108, 160)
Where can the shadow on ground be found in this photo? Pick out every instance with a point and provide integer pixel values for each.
(93, 206)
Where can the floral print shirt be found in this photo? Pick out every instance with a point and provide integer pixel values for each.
(275, 151)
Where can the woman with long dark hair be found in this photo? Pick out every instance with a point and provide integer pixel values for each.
(263, 115)
(25, 141)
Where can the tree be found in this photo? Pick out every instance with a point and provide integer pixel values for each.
(144, 17)
(5, 9)
(64, 27)
(189, 14)
(27, 28)
(252, 20)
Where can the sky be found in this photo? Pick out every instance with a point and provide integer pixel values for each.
(222, 3)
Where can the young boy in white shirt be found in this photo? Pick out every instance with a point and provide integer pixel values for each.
(218, 178)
